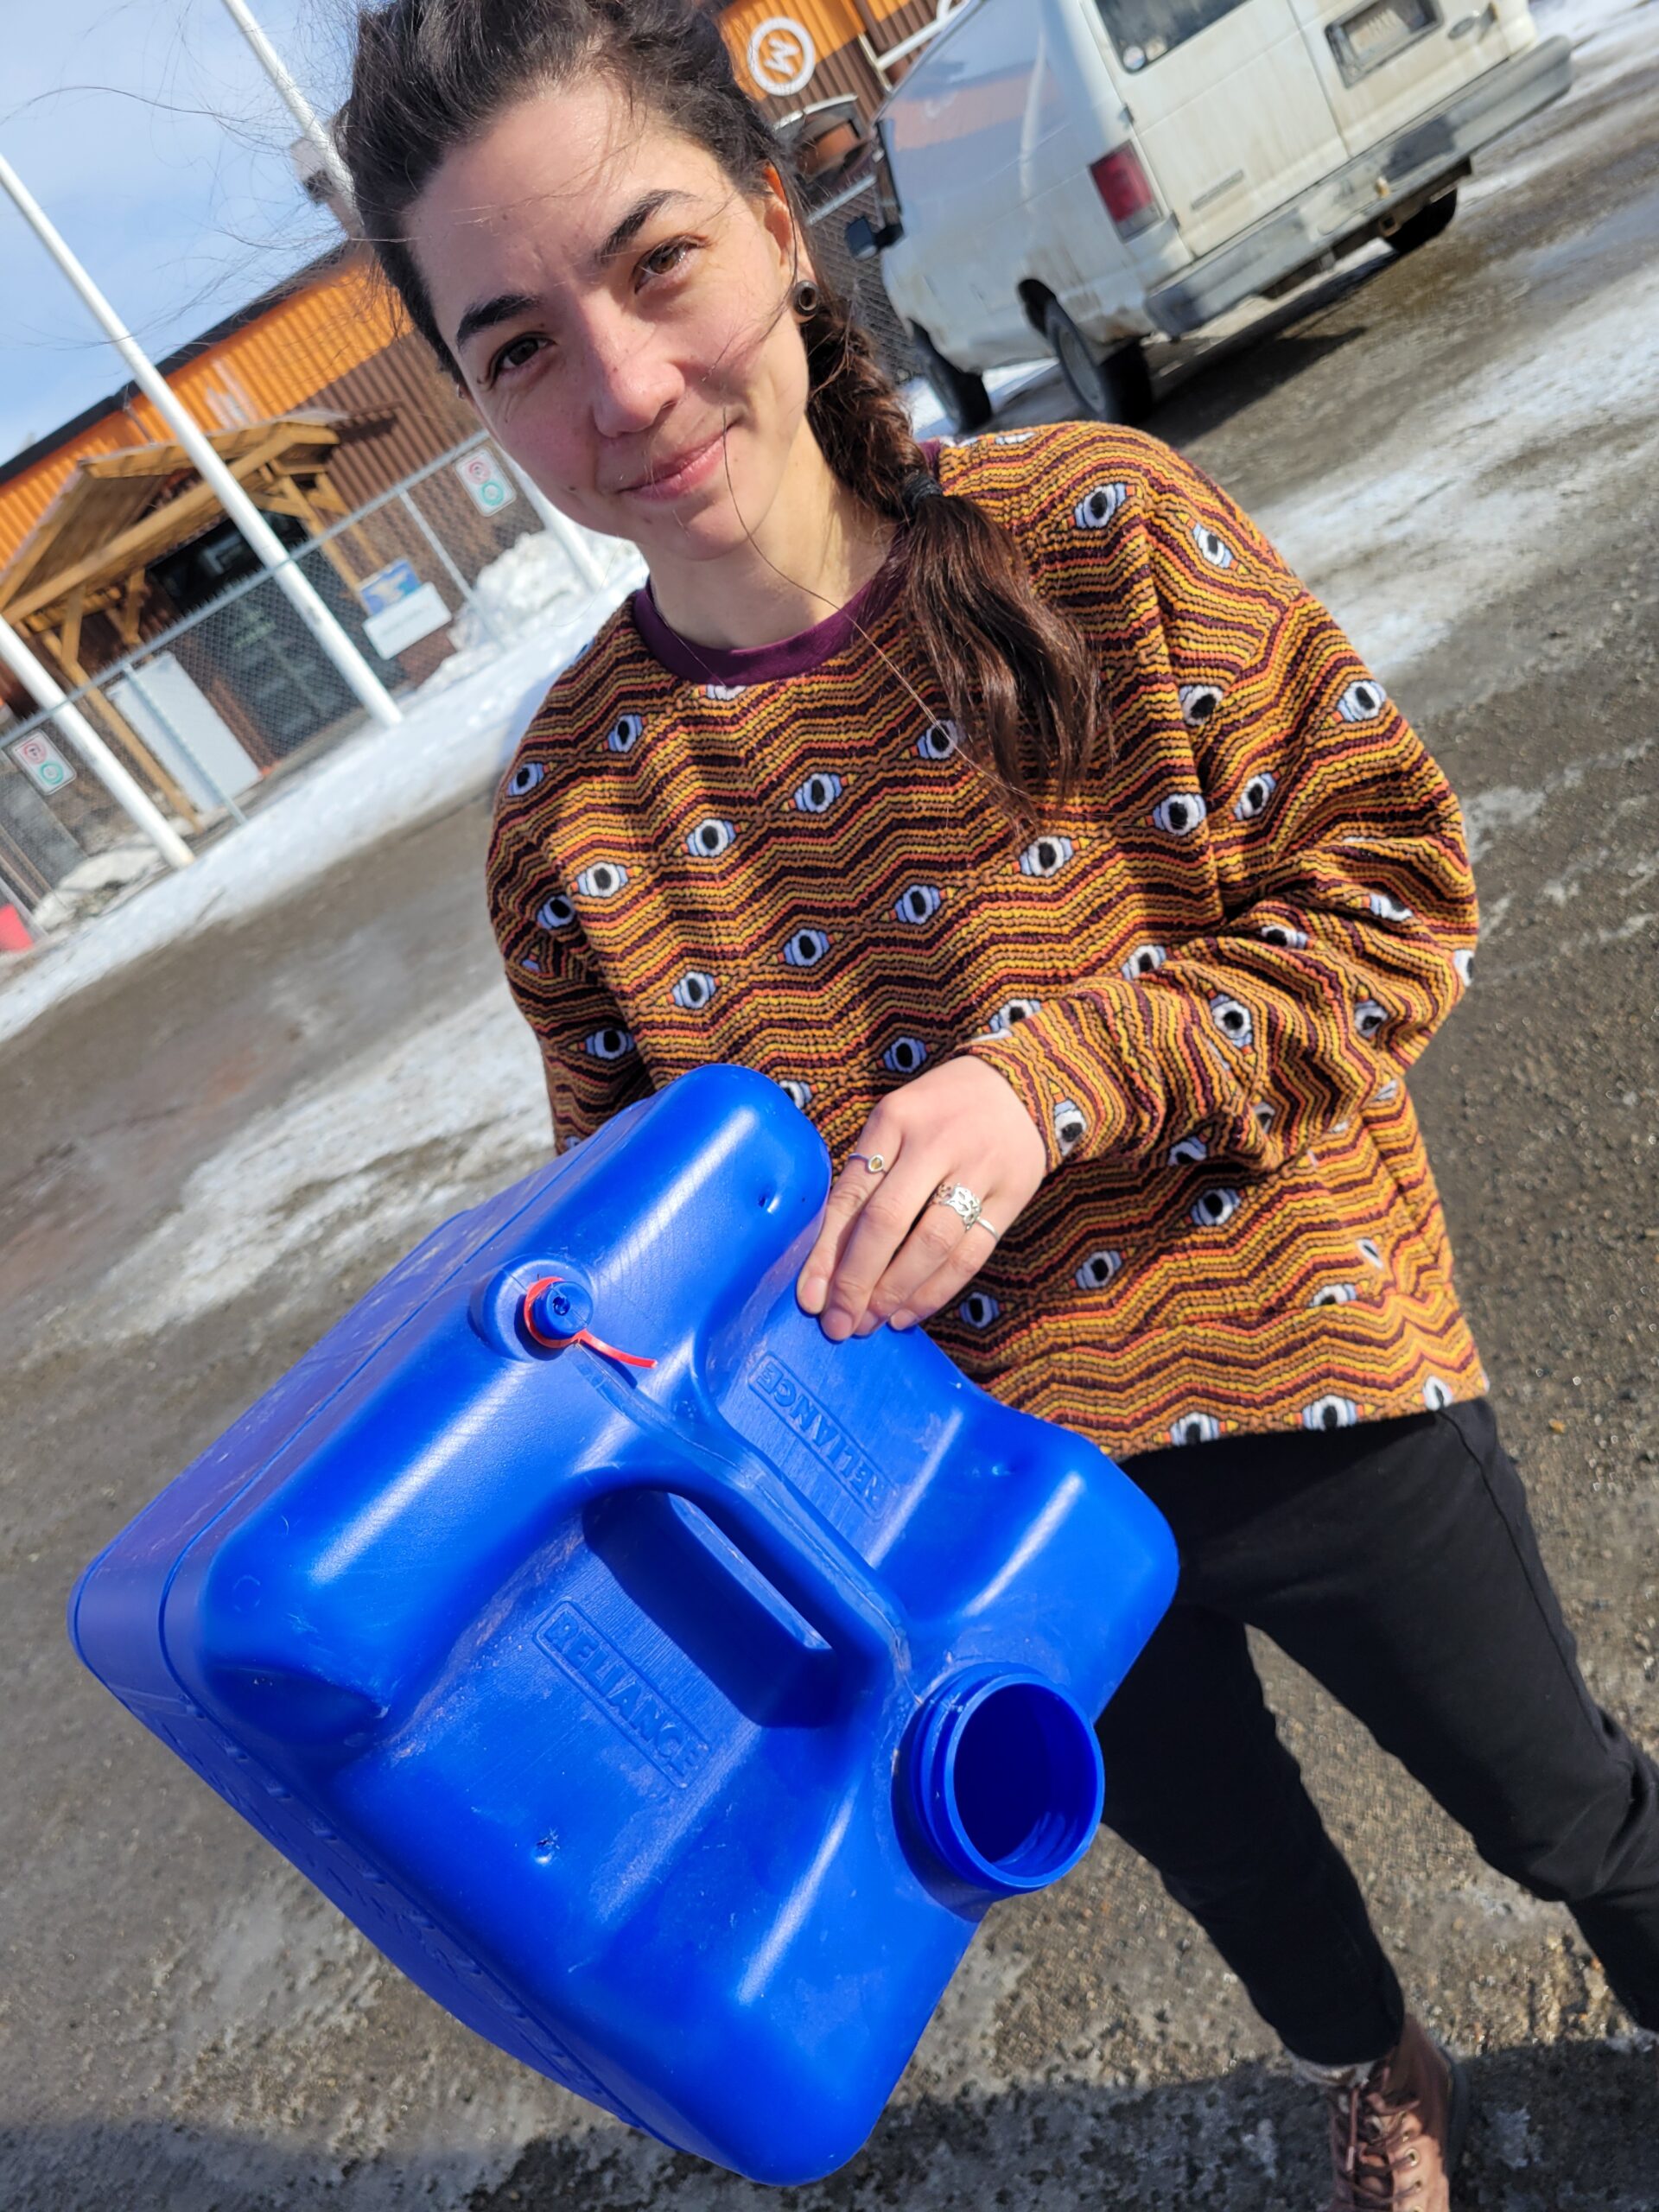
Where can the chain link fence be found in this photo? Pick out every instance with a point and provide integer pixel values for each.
(859, 282)
(456, 562)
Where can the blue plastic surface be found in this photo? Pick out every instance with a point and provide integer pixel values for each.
(672, 1726)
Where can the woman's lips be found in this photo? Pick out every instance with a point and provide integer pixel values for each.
(685, 477)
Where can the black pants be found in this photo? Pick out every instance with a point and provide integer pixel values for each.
(1396, 1562)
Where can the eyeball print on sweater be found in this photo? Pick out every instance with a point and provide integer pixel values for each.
(1098, 1270)
(1097, 508)
(711, 838)
(1213, 546)
(1071, 1126)
(1362, 701)
(1198, 704)
(1195, 1429)
(1179, 814)
(1045, 856)
(818, 793)
(920, 903)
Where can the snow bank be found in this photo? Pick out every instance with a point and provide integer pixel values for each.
(532, 582)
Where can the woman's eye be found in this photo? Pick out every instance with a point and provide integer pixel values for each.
(657, 262)
(514, 356)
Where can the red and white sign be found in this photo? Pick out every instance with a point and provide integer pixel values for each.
(38, 757)
(486, 481)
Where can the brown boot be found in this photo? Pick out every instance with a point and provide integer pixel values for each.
(1396, 2134)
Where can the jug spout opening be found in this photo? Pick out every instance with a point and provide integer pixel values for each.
(1006, 1778)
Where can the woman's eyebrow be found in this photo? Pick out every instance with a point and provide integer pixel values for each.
(634, 221)
(485, 313)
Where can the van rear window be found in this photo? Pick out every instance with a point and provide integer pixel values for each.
(1145, 30)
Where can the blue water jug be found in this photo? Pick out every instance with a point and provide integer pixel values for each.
(666, 1690)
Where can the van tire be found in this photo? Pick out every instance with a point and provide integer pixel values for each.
(959, 391)
(1427, 223)
(1112, 387)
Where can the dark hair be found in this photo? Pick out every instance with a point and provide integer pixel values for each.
(431, 75)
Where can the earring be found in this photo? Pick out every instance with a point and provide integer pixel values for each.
(804, 299)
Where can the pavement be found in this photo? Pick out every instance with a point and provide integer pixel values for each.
(209, 1152)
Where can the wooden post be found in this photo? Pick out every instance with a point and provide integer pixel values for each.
(286, 497)
(141, 761)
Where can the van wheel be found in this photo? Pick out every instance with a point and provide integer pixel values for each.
(1115, 387)
(1427, 223)
(959, 391)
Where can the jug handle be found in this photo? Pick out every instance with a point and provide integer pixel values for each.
(700, 1457)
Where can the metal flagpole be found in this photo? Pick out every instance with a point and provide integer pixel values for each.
(235, 501)
(295, 102)
(44, 689)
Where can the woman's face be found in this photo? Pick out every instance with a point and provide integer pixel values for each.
(613, 305)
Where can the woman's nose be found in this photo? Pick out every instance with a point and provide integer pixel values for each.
(630, 384)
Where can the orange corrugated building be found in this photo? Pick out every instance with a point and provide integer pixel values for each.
(326, 339)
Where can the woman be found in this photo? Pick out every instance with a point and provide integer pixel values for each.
(1014, 807)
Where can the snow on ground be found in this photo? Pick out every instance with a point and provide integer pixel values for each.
(1582, 20)
(456, 735)
(296, 1193)
(928, 420)
(532, 582)
(1405, 547)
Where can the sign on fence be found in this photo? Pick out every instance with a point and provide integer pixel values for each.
(402, 610)
(38, 757)
(387, 585)
(485, 479)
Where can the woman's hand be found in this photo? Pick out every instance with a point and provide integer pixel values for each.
(884, 1252)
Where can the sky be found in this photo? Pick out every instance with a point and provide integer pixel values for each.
(152, 138)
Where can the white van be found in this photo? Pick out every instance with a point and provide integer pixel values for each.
(1104, 171)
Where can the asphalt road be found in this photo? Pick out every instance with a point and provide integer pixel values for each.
(207, 1157)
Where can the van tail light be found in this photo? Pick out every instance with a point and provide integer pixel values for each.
(1126, 188)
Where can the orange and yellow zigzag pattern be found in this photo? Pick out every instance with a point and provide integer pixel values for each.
(1204, 976)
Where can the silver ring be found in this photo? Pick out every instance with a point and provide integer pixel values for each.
(980, 1222)
(961, 1201)
(875, 1163)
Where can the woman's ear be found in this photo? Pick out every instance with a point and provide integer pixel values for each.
(778, 217)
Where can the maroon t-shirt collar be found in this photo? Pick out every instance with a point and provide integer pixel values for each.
(807, 649)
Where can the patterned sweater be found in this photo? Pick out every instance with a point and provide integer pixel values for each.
(1205, 977)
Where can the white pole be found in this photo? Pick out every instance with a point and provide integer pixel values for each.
(235, 501)
(297, 105)
(561, 526)
(44, 689)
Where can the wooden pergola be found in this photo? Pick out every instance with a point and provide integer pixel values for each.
(92, 552)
